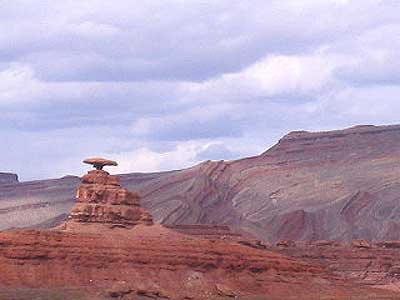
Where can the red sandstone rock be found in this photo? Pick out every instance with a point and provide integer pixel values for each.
(101, 199)
(370, 264)
(100, 177)
(339, 185)
(285, 244)
(99, 163)
(325, 243)
(361, 244)
(390, 244)
(157, 263)
(137, 261)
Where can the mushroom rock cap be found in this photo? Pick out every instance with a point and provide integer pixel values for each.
(99, 163)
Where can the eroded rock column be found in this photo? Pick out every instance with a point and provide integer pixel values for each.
(101, 199)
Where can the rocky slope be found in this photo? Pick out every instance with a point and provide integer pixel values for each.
(371, 264)
(109, 248)
(7, 178)
(151, 262)
(339, 185)
(41, 204)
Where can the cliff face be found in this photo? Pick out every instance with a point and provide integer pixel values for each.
(338, 185)
(309, 186)
(109, 248)
(152, 262)
(370, 264)
(8, 178)
(42, 203)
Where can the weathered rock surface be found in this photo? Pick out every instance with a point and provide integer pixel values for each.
(340, 185)
(373, 264)
(151, 262)
(99, 163)
(101, 199)
(209, 231)
(42, 203)
(8, 178)
(110, 249)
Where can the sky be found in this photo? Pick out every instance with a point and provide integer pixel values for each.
(162, 85)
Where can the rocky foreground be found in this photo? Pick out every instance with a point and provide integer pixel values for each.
(109, 248)
(371, 264)
(338, 185)
(151, 262)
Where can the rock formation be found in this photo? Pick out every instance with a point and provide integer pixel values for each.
(110, 249)
(339, 185)
(370, 264)
(101, 199)
(8, 178)
(37, 204)
(152, 262)
(99, 163)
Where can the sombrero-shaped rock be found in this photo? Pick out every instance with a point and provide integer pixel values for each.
(99, 163)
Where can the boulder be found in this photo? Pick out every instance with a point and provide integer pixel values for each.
(285, 243)
(361, 244)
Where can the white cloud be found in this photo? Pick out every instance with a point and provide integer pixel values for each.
(157, 83)
(17, 82)
(375, 104)
(374, 57)
(277, 75)
(145, 160)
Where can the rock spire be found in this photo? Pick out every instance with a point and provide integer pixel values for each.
(101, 199)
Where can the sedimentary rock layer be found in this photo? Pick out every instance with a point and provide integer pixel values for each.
(373, 264)
(101, 199)
(41, 203)
(340, 185)
(151, 262)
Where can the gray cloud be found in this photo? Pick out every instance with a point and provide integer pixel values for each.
(375, 57)
(169, 83)
(169, 40)
(217, 152)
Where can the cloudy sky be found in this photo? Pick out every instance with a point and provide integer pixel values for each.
(160, 85)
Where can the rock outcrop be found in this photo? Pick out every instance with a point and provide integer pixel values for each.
(99, 163)
(36, 204)
(370, 264)
(152, 262)
(101, 199)
(341, 185)
(8, 178)
(110, 249)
